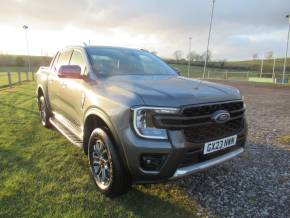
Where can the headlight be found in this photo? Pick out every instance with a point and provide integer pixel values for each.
(143, 121)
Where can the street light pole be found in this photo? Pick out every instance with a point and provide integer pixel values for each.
(208, 39)
(189, 51)
(262, 65)
(273, 72)
(285, 60)
(25, 27)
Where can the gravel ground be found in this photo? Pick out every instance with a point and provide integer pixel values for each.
(256, 184)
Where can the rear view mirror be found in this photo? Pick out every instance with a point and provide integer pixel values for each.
(70, 71)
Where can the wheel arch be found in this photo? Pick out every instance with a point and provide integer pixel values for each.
(95, 117)
(40, 90)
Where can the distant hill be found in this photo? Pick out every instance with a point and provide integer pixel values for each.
(256, 65)
(249, 65)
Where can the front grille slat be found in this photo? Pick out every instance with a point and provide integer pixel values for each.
(213, 131)
(197, 116)
(211, 108)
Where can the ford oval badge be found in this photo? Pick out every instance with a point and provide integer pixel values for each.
(221, 116)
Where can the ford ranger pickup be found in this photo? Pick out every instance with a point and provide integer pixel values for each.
(136, 118)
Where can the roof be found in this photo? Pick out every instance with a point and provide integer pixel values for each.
(101, 46)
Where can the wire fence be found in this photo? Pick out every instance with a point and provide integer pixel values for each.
(252, 76)
(11, 79)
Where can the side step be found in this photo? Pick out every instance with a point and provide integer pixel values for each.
(66, 132)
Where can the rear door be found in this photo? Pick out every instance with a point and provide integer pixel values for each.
(51, 82)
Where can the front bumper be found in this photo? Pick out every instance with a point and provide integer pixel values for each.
(184, 171)
(176, 150)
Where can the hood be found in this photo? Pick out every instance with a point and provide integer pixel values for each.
(173, 91)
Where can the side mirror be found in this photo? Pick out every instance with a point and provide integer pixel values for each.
(70, 71)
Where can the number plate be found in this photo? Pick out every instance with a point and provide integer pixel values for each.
(220, 144)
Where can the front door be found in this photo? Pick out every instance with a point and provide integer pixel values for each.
(73, 90)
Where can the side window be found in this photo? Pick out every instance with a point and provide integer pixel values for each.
(63, 59)
(77, 59)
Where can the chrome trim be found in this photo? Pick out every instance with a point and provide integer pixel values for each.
(150, 108)
(224, 114)
(184, 171)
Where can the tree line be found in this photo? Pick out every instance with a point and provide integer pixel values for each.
(196, 59)
(192, 56)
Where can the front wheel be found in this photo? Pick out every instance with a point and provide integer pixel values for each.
(106, 168)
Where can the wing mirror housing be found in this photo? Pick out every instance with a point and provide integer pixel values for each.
(70, 71)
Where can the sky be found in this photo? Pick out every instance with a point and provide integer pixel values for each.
(240, 27)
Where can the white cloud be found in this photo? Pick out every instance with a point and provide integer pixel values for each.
(240, 28)
(259, 37)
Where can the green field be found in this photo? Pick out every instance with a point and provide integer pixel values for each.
(216, 73)
(256, 65)
(44, 175)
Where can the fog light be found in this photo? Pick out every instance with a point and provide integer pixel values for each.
(152, 162)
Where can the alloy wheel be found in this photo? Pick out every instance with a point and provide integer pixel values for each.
(101, 164)
(42, 111)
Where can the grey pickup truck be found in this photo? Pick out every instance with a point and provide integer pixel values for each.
(136, 118)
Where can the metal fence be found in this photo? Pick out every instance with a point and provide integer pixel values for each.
(10, 79)
(252, 76)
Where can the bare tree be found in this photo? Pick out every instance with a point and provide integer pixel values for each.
(209, 57)
(178, 55)
(255, 56)
(193, 56)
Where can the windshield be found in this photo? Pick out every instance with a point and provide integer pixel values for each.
(120, 61)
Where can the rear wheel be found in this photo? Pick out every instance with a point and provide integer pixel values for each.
(43, 112)
(106, 168)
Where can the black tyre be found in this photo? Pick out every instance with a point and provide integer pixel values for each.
(43, 111)
(105, 166)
